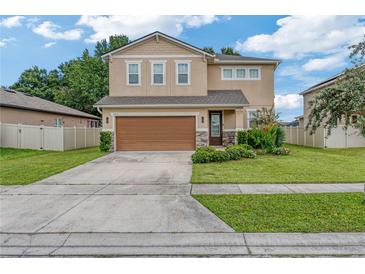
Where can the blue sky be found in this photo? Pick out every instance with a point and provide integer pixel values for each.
(312, 48)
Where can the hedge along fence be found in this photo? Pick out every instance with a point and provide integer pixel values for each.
(48, 138)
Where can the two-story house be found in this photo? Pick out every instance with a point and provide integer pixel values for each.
(165, 94)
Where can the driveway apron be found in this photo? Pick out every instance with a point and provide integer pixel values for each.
(121, 192)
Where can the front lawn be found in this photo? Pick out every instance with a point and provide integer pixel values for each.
(25, 166)
(329, 212)
(303, 165)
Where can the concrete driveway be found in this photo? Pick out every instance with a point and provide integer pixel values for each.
(121, 192)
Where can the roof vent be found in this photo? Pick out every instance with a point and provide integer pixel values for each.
(27, 94)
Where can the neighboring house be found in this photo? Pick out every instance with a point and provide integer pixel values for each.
(339, 137)
(165, 94)
(21, 108)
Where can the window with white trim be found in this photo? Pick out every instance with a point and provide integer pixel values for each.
(251, 114)
(228, 74)
(134, 74)
(240, 73)
(158, 73)
(183, 73)
(254, 73)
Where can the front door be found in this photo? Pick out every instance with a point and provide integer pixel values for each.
(215, 131)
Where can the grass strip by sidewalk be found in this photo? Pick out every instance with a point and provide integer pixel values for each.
(303, 165)
(25, 166)
(324, 212)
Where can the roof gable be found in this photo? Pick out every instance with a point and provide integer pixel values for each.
(157, 36)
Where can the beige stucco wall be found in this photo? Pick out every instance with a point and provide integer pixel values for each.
(118, 67)
(258, 92)
(29, 117)
(230, 117)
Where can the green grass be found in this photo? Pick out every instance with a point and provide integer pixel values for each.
(25, 166)
(329, 212)
(303, 165)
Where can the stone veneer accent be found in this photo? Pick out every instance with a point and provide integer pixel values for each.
(229, 137)
(202, 138)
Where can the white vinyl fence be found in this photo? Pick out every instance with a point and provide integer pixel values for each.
(48, 138)
(339, 137)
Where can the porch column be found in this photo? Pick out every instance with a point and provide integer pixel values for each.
(239, 119)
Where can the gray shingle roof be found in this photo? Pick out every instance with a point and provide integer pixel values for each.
(224, 57)
(214, 98)
(17, 99)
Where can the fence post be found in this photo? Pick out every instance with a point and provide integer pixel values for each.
(297, 135)
(75, 135)
(18, 136)
(62, 138)
(324, 137)
(85, 136)
(42, 137)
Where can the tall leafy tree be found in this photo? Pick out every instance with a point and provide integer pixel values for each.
(343, 102)
(85, 81)
(229, 51)
(209, 50)
(78, 83)
(115, 41)
(38, 82)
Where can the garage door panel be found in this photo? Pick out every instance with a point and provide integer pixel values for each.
(155, 133)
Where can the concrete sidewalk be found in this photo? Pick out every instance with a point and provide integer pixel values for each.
(182, 244)
(274, 188)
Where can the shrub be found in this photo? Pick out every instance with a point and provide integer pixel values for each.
(242, 137)
(250, 154)
(280, 137)
(105, 141)
(281, 151)
(219, 156)
(266, 138)
(201, 157)
(206, 149)
(236, 152)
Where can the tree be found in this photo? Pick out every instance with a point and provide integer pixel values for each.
(265, 118)
(115, 41)
(344, 102)
(229, 51)
(38, 82)
(85, 81)
(78, 83)
(209, 50)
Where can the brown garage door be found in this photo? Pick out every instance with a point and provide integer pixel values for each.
(155, 133)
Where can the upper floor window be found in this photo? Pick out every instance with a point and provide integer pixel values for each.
(240, 73)
(158, 73)
(254, 73)
(183, 73)
(134, 73)
(227, 74)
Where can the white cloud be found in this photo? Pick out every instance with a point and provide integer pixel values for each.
(300, 36)
(196, 21)
(49, 45)
(136, 26)
(328, 62)
(50, 30)
(5, 41)
(288, 101)
(11, 22)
